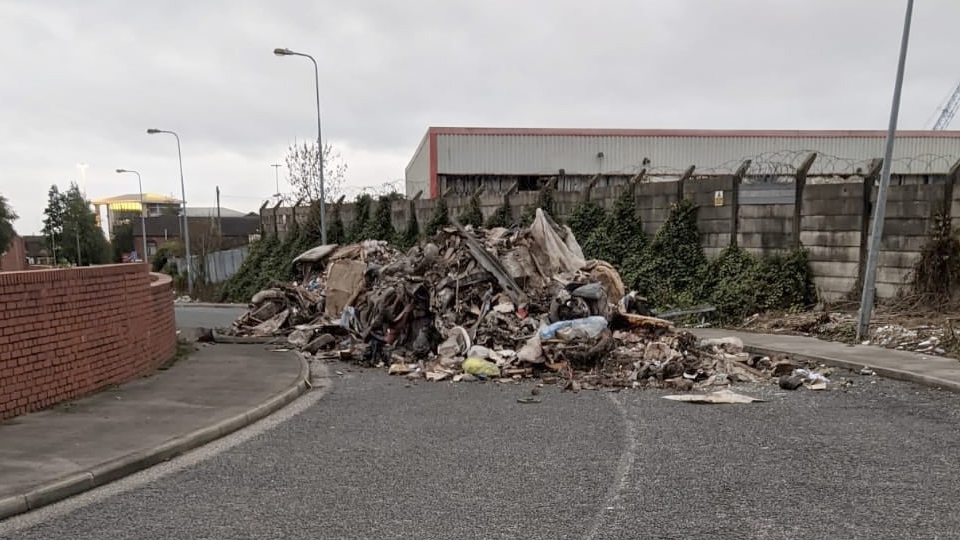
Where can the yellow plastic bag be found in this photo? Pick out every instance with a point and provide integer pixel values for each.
(480, 367)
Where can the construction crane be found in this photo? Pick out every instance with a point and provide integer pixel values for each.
(950, 109)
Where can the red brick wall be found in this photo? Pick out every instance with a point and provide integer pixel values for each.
(15, 258)
(69, 332)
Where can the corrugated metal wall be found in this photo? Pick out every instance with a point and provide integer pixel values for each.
(418, 170)
(578, 154)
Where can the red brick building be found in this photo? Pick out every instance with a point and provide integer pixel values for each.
(15, 257)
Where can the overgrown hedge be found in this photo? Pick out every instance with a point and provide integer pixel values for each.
(673, 272)
(671, 269)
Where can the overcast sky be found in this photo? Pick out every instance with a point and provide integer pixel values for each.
(82, 81)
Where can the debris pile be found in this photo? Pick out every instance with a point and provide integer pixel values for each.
(902, 333)
(498, 304)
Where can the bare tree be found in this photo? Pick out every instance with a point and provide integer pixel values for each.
(302, 172)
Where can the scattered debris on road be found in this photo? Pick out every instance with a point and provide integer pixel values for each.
(493, 304)
(717, 397)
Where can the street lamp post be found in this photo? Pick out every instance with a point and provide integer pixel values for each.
(186, 224)
(873, 255)
(276, 171)
(143, 221)
(323, 201)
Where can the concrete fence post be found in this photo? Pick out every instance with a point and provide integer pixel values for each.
(634, 180)
(588, 189)
(276, 219)
(867, 210)
(263, 208)
(800, 182)
(952, 177)
(682, 181)
(293, 211)
(735, 200)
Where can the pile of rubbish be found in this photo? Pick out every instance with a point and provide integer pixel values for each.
(497, 304)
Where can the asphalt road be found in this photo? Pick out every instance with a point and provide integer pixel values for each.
(378, 457)
(206, 317)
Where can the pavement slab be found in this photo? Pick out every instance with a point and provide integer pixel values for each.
(214, 384)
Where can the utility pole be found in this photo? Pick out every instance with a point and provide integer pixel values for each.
(76, 224)
(870, 273)
(276, 170)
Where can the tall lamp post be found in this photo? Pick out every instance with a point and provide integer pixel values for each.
(143, 221)
(186, 224)
(323, 201)
(873, 255)
(276, 171)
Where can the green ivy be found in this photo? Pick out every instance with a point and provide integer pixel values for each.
(411, 233)
(669, 271)
(620, 236)
(502, 217)
(473, 215)
(253, 274)
(361, 217)
(440, 218)
(783, 281)
(336, 232)
(936, 272)
(586, 218)
(728, 284)
(545, 202)
(381, 226)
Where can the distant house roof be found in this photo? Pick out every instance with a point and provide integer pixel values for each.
(169, 226)
(150, 198)
(211, 211)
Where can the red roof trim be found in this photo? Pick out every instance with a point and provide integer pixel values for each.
(588, 132)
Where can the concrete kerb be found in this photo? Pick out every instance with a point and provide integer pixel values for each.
(110, 471)
(890, 373)
(247, 340)
(210, 305)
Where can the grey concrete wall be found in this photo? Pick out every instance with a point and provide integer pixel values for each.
(765, 228)
(653, 203)
(714, 220)
(909, 213)
(831, 217)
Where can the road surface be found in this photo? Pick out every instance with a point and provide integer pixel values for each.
(206, 317)
(379, 457)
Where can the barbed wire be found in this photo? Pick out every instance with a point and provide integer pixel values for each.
(783, 164)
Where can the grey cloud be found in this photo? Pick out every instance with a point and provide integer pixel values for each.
(83, 80)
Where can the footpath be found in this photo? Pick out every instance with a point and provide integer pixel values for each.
(76, 446)
(928, 370)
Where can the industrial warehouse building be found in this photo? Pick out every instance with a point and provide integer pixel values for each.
(457, 160)
(765, 191)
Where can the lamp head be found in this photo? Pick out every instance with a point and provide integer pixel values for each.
(282, 52)
(152, 131)
(121, 170)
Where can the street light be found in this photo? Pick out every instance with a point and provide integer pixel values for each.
(143, 222)
(876, 231)
(323, 202)
(186, 224)
(276, 170)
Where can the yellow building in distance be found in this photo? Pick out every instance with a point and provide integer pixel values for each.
(122, 208)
